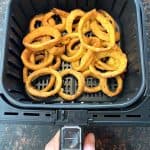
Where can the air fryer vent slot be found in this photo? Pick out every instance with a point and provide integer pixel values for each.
(31, 114)
(133, 116)
(11, 113)
(112, 116)
(48, 115)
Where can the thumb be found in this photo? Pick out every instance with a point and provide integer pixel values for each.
(89, 143)
(54, 143)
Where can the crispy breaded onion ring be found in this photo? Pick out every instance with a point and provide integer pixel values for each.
(57, 50)
(106, 89)
(104, 22)
(108, 27)
(113, 22)
(96, 29)
(48, 17)
(37, 18)
(104, 66)
(25, 74)
(86, 60)
(81, 83)
(92, 89)
(57, 64)
(108, 17)
(120, 57)
(71, 17)
(60, 12)
(33, 60)
(74, 57)
(48, 87)
(73, 46)
(41, 31)
(48, 20)
(38, 93)
(25, 57)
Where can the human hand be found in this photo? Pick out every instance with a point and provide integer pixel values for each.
(89, 142)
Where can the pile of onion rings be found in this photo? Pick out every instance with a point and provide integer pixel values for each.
(88, 41)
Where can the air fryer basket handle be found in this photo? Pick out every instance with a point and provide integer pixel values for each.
(70, 138)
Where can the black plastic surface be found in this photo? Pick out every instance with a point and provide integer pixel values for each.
(127, 15)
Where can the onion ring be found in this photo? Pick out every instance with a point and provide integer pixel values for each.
(25, 59)
(113, 22)
(48, 20)
(84, 63)
(104, 66)
(38, 93)
(70, 50)
(121, 57)
(71, 17)
(96, 29)
(57, 50)
(63, 15)
(60, 12)
(81, 83)
(106, 89)
(92, 89)
(105, 23)
(41, 31)
(34, 20)
(57, 64)
(26, 73)
(74, 57)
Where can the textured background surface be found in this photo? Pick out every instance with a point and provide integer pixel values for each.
(34, 137)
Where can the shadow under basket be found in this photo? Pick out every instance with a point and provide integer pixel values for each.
(127, 15)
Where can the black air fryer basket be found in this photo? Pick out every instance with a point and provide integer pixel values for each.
(128, 15)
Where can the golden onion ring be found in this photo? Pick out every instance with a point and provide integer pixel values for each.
(34, 20)
(92, 89)
(120, 57)
(105, 23)
(60, 12)
(81, 83)
(75, 42)
(57, 50)
(113, 22)
(41, 31)
(74, 57)
(71, 17)
(48, 20)
(57, 64)
(26, 72)
(106, 89)
(63, 15)
(86, 60)
(104, 66)
(38, 93)
(25, 56)
(96, 29)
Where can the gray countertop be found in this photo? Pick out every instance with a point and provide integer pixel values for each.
(34, 137)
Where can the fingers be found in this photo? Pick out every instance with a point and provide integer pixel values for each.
(54, 143)
(89, 143)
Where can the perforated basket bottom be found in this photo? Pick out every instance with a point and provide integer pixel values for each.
(70, 85)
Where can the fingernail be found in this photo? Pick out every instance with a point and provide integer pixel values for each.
(89, 147)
